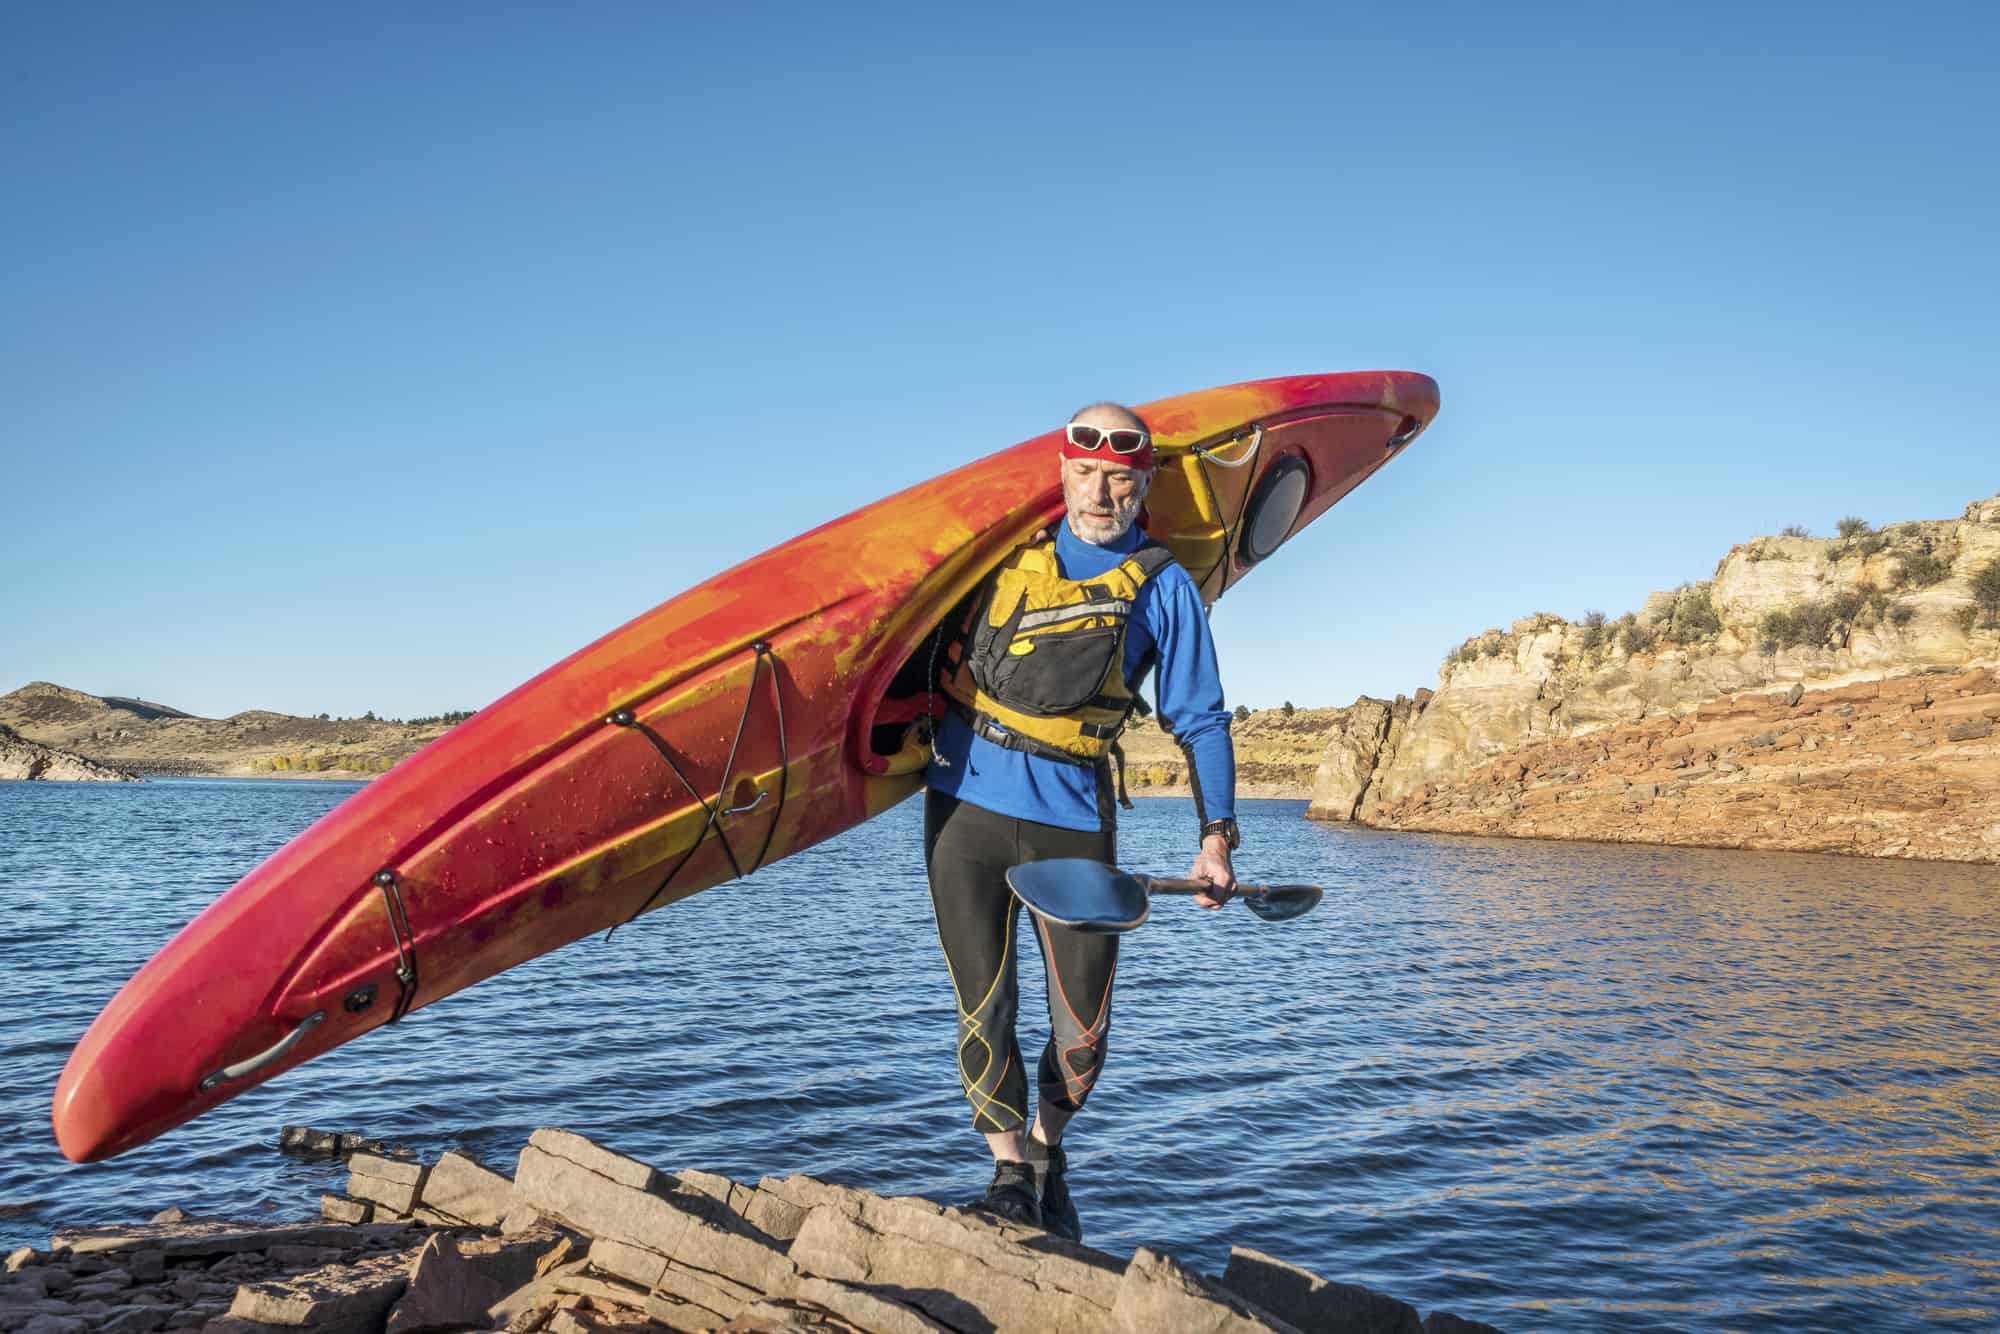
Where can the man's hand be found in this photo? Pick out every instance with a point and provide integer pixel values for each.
(1212, 864)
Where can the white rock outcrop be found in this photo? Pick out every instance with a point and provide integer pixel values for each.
(23, 759)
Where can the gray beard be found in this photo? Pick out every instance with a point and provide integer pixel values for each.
(1123, 517)
(1123, 521)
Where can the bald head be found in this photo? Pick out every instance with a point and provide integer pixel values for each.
(1109, 415)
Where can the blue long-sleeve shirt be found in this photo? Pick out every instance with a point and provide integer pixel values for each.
(1168, 619)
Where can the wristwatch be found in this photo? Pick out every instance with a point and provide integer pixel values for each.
(1226, 828)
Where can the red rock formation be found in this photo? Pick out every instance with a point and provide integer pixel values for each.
(1908, 766)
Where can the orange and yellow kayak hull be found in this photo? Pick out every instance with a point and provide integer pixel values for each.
(752, 716)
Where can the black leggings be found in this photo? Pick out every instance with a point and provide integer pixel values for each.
(968, 850)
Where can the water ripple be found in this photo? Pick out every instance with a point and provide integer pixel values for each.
(1555, 1086)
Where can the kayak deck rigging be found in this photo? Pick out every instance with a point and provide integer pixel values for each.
(745, 802)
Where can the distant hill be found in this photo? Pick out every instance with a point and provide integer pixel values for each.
(148, 738)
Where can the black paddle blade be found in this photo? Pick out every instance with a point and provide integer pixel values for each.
(1080, 893)
(1281, 903)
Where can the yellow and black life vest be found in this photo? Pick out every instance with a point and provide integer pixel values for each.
(1040, 666)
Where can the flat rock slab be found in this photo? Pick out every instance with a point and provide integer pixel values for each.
(385, 1181)
(338, 1297)
(139, 1319)
(960, 1271)
(55, 1324)
(460, 1187)
(386, 1169)
(681, 1283)
(874, 1311)
(446, 1290)
(1160, 1293)
(185, 1241)
(693, 1228)
(340, 1209)
(1313, 1303)
(595, 1158)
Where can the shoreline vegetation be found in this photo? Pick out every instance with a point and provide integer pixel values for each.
(584, 1240)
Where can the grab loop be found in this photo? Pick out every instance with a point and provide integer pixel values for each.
(764, 662)
(1228, 525)
(1256, 443)
(263, 1058)
(747, 806)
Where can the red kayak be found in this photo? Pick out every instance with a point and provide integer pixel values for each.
(754, 715)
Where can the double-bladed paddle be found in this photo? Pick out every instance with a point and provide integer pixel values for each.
(1091, 896)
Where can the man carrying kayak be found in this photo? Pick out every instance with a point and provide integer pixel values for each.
(1060, 639)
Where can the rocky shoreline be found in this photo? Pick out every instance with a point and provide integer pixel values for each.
(1816, 694)
(22, 760)
(1906, 767)
(583, 1239)
(141, 737)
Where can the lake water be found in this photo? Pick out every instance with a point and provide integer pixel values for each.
(1547, 1085)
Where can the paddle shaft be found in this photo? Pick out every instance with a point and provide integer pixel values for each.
(1193, 887)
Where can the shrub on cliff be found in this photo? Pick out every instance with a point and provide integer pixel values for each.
(1852, 525)
(1986, 592)
(1593, 630)
(1902, 614)
(1817, 621)
(1794, 530)
(1811, 624)
(1920, 569)
(1634, 637)
(1692, 617)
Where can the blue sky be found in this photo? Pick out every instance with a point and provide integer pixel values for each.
(375, 357)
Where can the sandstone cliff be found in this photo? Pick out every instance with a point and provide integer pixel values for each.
(1277, 754)
(1916, 602)
(143, 737)
(22, 759)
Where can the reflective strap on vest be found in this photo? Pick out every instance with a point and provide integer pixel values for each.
(1077, 612)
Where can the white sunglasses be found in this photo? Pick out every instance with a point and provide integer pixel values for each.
(1120, 440)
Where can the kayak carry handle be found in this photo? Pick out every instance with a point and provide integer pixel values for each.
(265, 1057)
